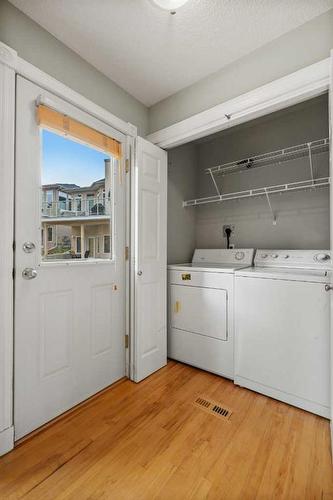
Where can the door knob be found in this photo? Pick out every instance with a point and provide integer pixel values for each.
(328, 288)
(29, 273)
(29, 246)
(139, 273)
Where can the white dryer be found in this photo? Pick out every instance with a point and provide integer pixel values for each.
(282, 327)
(201, 309)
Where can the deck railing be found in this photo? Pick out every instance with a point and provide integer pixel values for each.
(77, 207)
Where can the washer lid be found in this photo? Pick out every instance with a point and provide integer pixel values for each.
(287, 274)
(206, 267)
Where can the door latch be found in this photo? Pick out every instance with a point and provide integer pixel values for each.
(29, 273)
(28, 247)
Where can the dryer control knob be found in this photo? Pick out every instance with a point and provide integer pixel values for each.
(239, 255)
(286, 256)
(274, 255)
(264, 255)
(321, 257)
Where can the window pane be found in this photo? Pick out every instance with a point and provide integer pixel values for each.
(49, 234)
(64, 241)
(78, 244)
(107, 244)
(76, 200)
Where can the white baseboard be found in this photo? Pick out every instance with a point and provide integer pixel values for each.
(6, 440)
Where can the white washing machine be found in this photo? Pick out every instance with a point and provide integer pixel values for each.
(282, 327)
(201, 309)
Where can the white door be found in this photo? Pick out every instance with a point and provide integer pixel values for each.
(331, 225)
(150, 297)
(70, 317)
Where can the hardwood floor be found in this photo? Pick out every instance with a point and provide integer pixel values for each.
(147, 441)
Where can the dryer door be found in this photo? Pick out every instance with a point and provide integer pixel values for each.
(199, 310)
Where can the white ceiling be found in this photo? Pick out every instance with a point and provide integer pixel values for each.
(151, 53)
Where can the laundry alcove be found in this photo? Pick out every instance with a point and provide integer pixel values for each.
(257, 177)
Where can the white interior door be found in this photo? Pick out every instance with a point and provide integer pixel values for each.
(150, 297)
(331, 225)
(70, 314)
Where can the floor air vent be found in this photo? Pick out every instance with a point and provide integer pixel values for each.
(213, 408)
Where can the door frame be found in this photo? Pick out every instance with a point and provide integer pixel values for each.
(289, 90)
(10, 66)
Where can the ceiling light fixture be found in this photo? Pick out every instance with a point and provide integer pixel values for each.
(170, 5)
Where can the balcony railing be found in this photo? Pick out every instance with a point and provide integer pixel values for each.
(90, 207)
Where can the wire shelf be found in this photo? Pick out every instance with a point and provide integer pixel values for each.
(307, 149)
(272, 157)
(263, 191)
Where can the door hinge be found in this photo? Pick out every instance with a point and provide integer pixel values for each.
(126, 253)
(13, 273)
(14, 246)
(126, 341)
(127, 165)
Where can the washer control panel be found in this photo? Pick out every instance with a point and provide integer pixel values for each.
(239, 255)
(311, 259)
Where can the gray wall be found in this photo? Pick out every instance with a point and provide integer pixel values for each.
(299, 48)
(40, 48)
(182, 164)
(302, 217)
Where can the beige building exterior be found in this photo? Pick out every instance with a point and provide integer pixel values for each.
(76, 220)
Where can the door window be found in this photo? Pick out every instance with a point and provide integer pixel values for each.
(49, 234)
(78, 245)
(75, 178)
(107, 244)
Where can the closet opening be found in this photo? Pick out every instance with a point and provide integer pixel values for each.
(266, 180)
(249, 258)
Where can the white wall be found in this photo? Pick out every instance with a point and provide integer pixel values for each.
(297, 49)
(40, 48)
(302, 218)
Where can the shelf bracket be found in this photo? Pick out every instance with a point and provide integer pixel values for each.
(214, 181)
(270, 207)
(310, 161)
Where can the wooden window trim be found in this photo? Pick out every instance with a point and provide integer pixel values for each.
(52, 119)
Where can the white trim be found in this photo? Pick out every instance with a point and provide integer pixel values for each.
(133, 256)
(331, 231)
(127, 157)
(7, 134)
(291, 89)
(9, 57)
(6, 440)
(57, 88)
